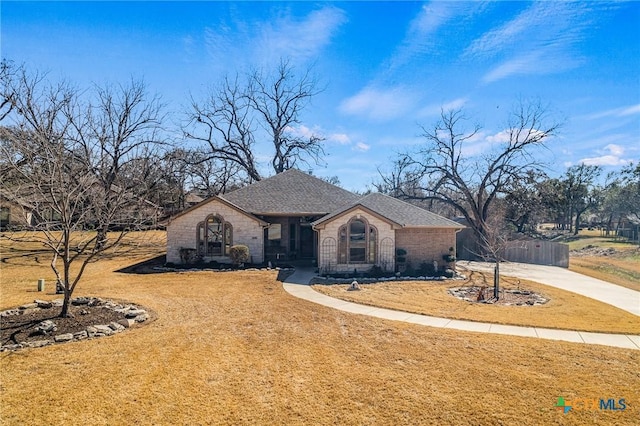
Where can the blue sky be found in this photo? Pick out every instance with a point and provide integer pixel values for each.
(387, 67)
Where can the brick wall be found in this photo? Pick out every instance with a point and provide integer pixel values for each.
(328, 259)
(425, 244)
(181, 231)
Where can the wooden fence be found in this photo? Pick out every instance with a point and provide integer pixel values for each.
(537, 252)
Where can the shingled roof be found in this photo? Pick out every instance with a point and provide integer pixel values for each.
(397, 211)
(291, 192)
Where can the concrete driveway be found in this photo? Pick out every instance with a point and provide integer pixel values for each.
(620, 297)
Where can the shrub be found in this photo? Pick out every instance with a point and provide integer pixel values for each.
(448, 258)
(427, 269)
(376, 272)
(400, 255)
(409, 271)
(188, 256)
(239, 254)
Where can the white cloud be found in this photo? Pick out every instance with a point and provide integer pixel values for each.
(340, 138)
(615, 149)
(615, 112)
(424, 31)
(634, 109)
(235, 43)
(500, 137)
(434, 109)
(540, 40)
(380, 104)
(300, 39)
(612, 156)
(362, 147)
(301, 131)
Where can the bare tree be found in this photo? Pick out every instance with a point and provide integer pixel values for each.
(225, 124)
(213, 176)
(233, 117)
(442, 172)
(279, 100)
(8, 72)
(80, 167)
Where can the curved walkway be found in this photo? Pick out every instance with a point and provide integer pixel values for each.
(298, 285)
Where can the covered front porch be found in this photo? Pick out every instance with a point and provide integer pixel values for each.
(290, 239)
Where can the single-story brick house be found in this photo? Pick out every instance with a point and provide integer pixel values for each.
(296, 216)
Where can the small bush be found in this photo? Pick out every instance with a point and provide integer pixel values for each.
(239, 254)
(448, 258)
(427, 270)
(188, 256)
(376, 272)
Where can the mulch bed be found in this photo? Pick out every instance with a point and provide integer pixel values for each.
(508, 297)
(21, 327)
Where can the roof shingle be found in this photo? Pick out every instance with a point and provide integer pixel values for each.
(291, 192)
(398, 211)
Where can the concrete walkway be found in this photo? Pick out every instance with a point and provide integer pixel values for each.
(298, 285)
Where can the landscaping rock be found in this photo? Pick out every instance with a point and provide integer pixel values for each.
(39, 343)
(116, 327)
(43, 304)
(80, 335)
(63, 337)
(103, 329)
(92, 306)
(132, 313)
(11, 347)
(126, 322)
(142, 317)
(45, 327)
(354, 286)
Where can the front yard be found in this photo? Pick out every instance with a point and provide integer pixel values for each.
(606, 258)
(234, 348)
(564, 310)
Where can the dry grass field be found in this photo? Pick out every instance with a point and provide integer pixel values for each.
(234, 348)
(564, 310)
(621, 268)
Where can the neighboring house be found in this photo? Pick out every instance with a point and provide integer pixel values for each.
(15, 214)
(296, 216)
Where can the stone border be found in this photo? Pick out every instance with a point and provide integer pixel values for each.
(133, 315)
(536, 299)
(332, 280)
(185, 269)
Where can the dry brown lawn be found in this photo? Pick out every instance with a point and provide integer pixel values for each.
(564, 310)
(234, 348)
(621, 268)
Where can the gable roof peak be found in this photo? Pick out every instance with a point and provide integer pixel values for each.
(292, 192)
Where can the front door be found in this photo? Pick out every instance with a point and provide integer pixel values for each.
(307, 242)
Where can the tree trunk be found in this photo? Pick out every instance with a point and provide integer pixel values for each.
(65, 304)
(577, 224)
(496, 281)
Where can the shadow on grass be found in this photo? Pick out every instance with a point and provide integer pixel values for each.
(146, 267)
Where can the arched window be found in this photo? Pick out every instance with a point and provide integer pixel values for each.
(215, 236)
(357, 242)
